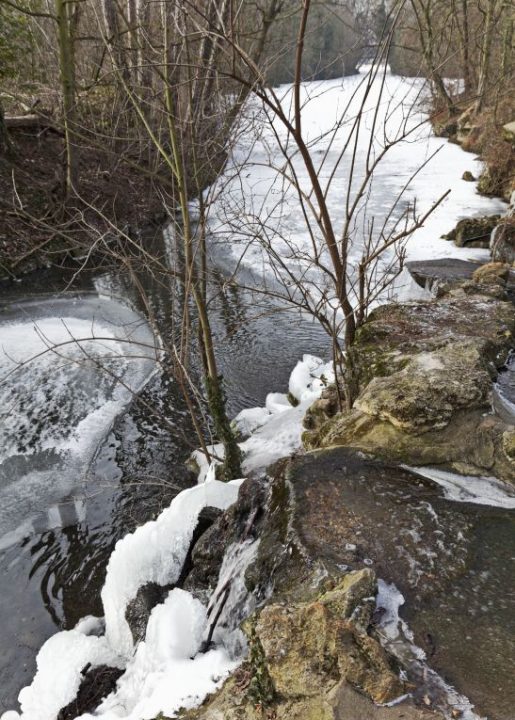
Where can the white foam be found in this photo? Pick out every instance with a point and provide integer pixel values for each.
(63, 381)
(277, 434)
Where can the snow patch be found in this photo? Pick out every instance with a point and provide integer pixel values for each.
(155, 552)
(469, 488)
(275, 431)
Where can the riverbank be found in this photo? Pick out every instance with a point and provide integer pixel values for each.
(39, 226)
(489, 135)
(351, 533)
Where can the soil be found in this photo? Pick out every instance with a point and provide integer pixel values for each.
(39, 227)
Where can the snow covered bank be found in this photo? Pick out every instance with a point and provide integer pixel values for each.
(166, 671)
(275, 430)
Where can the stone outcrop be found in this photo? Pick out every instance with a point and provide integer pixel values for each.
(335, 520)
(425, 375)
(313, 660)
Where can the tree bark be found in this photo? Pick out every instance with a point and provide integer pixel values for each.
(5, 143)
(64, 14)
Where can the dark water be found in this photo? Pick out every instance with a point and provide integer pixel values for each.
(54, 576)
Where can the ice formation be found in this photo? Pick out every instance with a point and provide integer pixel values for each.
(155, 552)
(469, 488)
(275, 431)
(165, 671)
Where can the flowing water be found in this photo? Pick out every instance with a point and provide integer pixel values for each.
(82, 460)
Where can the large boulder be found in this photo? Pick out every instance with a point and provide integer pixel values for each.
(336, 520)
(473, 232)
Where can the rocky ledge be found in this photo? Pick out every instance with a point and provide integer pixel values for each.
(425, 372)
(353, 524)
(336, 526)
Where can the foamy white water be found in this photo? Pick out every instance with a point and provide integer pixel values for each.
(68, 368)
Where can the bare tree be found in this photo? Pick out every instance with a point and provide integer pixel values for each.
(323, 276)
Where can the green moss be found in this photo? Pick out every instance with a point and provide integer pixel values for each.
(261, 689)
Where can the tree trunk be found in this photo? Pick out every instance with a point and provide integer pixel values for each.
(193, 285)
(114, 37)
(484, 58)
(5, 143)
(423, 15)
(63, 11)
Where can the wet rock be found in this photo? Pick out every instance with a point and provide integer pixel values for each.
(151, 594)
(325, 407)
(450, 561)
(97, 683)
(139, 608)
(473, 232)
(503, 241)
(441, 276)
(240, 522)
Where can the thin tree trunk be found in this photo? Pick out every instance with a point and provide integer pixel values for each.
(64, 10)
(213, 381)
(114, 36)
(423, 15)
(5, 143)
(484, 58)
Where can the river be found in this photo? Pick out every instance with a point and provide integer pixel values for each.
(82, 461)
